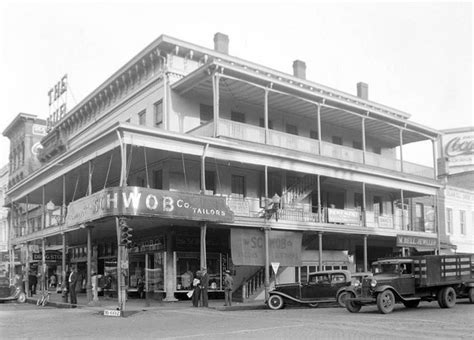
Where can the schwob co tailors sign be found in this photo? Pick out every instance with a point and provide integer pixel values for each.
(137, 201)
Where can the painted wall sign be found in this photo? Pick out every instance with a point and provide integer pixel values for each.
(416, 241)
(344, 216)
(138, 201)
(57, 101)
(248, 247)
(458, 150)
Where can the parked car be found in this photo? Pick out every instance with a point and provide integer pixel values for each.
(356, 279)
(320, 288)
(11, 292)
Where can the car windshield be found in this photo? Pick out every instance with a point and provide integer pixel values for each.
(385, 268)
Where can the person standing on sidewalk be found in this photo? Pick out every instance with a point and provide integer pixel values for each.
(204, 286)
(73, 280)
(228, 286)
(196, 289)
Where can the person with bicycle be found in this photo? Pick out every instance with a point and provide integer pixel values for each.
(73, 280)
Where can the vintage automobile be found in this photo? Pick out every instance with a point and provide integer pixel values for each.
(12, 292)
(320, 288)
(356, 279)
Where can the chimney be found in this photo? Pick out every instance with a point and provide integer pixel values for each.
(363, 91)
(299, 69)
(221, 43)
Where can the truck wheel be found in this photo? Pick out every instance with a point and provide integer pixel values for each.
(440, 299)
(448, 297)
(412, 304)
(275, 302)
(471, 295)
(21, 298)
(352, 306)
(385, 302)
(341, 299)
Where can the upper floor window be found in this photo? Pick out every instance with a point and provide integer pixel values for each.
(238, 186)
(142, 117)
(158, 179)
(261, 122)
(357, 145)
(158, 113)
(358, 198)
(337, 140)
(313, 134)
(378, 206)
(449, 220)
(291, 129)
(210, 181)
(419, 217)
(378, 150)
(462, 221)
(237, 117)
(206, 113)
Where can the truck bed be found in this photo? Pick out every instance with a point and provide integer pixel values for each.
(435, 270)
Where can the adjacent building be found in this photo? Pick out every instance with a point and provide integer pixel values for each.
(218, 162)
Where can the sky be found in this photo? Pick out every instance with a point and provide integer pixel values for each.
(415, 56)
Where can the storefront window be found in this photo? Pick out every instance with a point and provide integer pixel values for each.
(188, 263)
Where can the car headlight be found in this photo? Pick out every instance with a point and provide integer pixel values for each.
(357, 283)
(373, 283)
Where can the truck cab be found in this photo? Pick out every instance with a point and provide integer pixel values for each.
(398, 273)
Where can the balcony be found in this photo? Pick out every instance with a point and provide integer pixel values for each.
(256, 134)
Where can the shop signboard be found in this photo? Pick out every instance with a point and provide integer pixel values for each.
(248, 247)
(50, 255)
(138, 201)
(457, 147)
(385, 221)
(344, 216)
(416, 241)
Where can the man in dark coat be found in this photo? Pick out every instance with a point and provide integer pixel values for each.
(73, 280)
(197, 289)
(204, 286)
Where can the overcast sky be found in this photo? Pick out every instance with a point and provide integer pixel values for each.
(416, 57)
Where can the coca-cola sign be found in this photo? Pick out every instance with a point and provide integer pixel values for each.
(460, 145)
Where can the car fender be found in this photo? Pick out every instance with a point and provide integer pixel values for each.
(350, 289)
(388, 287)
(289, 297)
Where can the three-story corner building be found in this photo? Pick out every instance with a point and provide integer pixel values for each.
(218, 162)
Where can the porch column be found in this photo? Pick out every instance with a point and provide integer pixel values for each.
(266, 187)
(165, 97)
(43, 264)
(266, 230)
(89, 264)
(43, 207)
(436, 224)
(320, 217)
(402, 219)
(63, 271)
(365, 253)
(265, 119)
(364, 219)
(89, 182)
(401, 150)
(203, 245)
(203, 170)
(27, 269)
(215, 88)
(170, 269)
(63, 206)
(27, 224)
(435, 159)
(118, 231)
(319, 130)
(363, 140)
(320, 239)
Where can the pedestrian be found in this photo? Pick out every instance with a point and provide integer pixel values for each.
(32, 280)
(95, 296)
(73, 281)
(196, 289)
(204, 286)
(228, 286)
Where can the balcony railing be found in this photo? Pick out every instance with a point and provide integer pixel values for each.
(256, 134)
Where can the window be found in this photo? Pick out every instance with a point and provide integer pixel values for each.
(449, 220)
(262, 123)
(291, 129)
(210, 181)
(358, 201)
(337, 140)
(419, 217)
(158, 113)
(206, 113)
(313, 134)
(158, 179)
(357, 145)
(462, 221)
(378, 150)
(378, 206)
(142, 117)
(238, 186)
(237, 117)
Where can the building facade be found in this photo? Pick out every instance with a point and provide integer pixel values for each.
(218, 162)
(4, 259)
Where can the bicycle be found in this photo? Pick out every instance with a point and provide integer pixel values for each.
(44, 299)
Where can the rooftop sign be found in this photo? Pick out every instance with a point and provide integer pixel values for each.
(138, 201)
(458, 151)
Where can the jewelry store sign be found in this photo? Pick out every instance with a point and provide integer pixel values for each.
(416, 241)
(138, 201)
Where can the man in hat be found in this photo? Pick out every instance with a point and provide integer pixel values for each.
(228, 286)
(204, 286)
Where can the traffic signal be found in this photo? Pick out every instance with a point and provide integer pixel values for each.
(125, 233)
